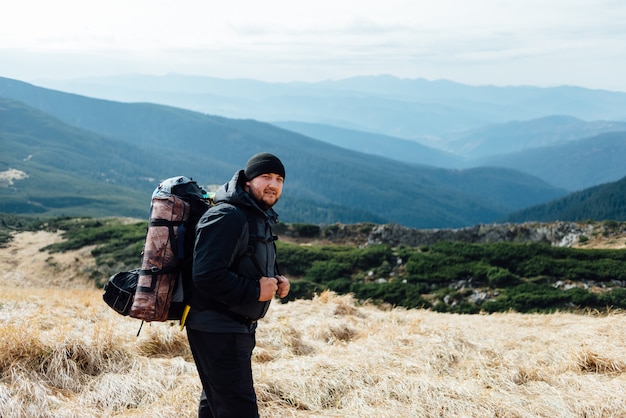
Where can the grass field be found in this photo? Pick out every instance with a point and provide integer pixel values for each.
(64, 353)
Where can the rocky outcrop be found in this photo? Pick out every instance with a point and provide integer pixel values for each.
(557, 233)
(563, 234)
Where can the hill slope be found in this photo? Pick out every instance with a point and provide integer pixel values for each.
(62, 170)
(327, 183)
(607, 201)
(563, 151)
(574, 165)
(517, 136)
(407, 151)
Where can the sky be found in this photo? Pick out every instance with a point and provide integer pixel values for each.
(478, 42)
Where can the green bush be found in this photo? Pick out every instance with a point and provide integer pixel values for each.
(616, 298)
(327, 271)
(306, 230)
(340, 286)
(529, 297)
(394, 293)
(581, 297)
(295, 259)
(330, 230)
(466, 308)
(432, 267)
(371, 256)
(302, 289)
(499, 277)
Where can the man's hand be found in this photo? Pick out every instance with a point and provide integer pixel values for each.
(273, 286)
(269, 287)
(283, 286)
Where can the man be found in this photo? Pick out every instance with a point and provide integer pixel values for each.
(234, 280)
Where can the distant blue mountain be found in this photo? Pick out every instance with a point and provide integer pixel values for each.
(405, 108)
(564, 151)
(515, 136)
(385, 146)
(112, 152)
(573, 165)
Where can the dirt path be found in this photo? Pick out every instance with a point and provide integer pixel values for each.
(25, 265)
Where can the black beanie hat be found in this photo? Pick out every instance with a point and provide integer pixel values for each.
(264, 163)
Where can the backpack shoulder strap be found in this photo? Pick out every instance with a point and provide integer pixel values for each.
(254, 237)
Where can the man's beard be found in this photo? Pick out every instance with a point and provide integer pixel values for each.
(259, 200)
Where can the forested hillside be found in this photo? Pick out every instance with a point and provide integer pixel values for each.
(607, 201)
(324, 184)
(574, 165)
(563, 151)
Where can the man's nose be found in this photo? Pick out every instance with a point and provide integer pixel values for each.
(274, 183)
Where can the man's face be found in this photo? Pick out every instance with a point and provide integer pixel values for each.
(265, 189)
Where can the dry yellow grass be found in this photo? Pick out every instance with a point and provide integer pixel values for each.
(64, 353)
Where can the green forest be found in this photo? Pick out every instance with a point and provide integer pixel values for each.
(605, 201)
(84, 157)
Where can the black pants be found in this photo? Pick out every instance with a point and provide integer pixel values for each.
(224, 365)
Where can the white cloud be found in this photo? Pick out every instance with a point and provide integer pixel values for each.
(481, 41)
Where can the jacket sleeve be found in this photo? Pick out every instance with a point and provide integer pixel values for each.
(220, 237)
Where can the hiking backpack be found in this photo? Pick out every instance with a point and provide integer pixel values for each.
(155, 291)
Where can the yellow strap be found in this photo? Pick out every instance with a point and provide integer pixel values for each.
(184, 317)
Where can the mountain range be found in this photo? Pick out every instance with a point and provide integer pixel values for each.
(567, 152)
(439, 123)
(405, 108)
(88, 156)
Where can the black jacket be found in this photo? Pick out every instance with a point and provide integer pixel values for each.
(225, 290)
